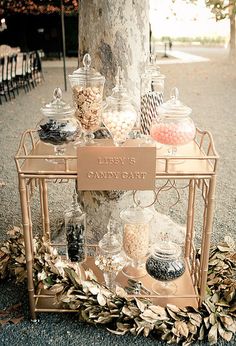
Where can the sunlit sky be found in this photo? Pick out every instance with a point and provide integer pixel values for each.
(190, 20)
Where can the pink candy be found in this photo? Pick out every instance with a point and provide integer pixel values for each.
(172, 133)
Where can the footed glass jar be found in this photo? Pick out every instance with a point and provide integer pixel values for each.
(58, 126)
(110, 259)
(152, 91)
(75, 228)
(173, 127)
(87, 88)
(136, 229)
(119, 115)
(165, 264)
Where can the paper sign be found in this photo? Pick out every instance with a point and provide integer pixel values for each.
(116, 168)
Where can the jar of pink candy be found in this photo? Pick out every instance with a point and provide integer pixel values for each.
(174, 127)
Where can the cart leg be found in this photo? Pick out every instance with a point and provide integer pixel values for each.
(44, 207)
(190, 218)
(28, 245)
(207, 236)
(28, 193)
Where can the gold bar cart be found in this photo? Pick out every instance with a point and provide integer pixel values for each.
(198, 167)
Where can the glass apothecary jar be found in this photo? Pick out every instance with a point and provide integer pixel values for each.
(119, 115)
(110, 259)
(165, 264)
(136, 232)
(152, 91)
(59, 125)
(87, 87)
(75, 229)
(173, 127)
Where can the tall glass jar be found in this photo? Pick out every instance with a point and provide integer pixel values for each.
(75, 228)
(87, 88)
(119, 115)
(136, 229)
(59, 125)
(152, 91)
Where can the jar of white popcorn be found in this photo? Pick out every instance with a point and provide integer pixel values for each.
(136, 229)
(119, 115)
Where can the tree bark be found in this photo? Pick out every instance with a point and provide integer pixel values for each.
(115, 33)
(232, 18)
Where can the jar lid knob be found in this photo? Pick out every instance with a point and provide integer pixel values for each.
(174, 95)
(57, 94)
(119, 77)
(87, 61)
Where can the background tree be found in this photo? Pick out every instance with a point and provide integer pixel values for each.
(37, 6)
(226, 9)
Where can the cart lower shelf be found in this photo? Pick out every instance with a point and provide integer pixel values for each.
(185, 294)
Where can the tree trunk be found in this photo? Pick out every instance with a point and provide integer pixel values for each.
(232, 18)
(115, 33)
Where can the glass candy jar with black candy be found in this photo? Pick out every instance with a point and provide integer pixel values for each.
(75, 227)
(165, 264)
(58, 126)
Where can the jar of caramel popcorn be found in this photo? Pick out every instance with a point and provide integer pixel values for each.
(87, 88)
(136, 229)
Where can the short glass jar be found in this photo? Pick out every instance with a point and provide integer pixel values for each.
(152, 91)
(75, 229)
(119, 115)
(173, 127)
(136, 229)
(165, 264)
(87, 88)
(58, 126)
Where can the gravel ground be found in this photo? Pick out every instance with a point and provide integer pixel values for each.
(209, 88)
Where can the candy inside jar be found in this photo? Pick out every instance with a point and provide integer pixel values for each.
(174, 127)
(110, 259)
(152, 90)
(59, 126)
(75, 228)
(87, 88)
(136, 228)
(119, 115)
(165, 264)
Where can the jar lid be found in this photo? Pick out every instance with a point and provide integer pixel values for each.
(167, 250)
(110, 243)
(86, 72)
(174, 107)
(119, 93)
(57, 106)
(136, 214)
(152, 68)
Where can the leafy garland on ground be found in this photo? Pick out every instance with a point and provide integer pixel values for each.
(121, 314)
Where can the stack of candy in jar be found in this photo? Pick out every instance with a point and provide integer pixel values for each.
(174, 126)
(87, 88)
(152, 91)
(119, 115)
(88, 104)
